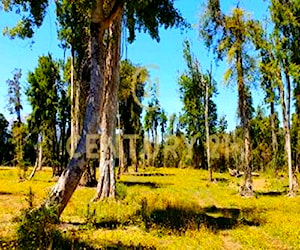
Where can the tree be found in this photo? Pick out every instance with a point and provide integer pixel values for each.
(152, 120)
(283, 65)
(192, 87)
(236, 34)
(131, 91)
(4, 141)
(18, 128)
(14, 94)
(105, 17)
(43, 96)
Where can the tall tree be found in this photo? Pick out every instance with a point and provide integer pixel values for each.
(105, 16)
(131, 91)
(192, 87)
(283, 66)
(43, 96)
(231, 36)
(14, 94)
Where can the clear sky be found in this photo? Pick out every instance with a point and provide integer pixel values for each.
(164, 59)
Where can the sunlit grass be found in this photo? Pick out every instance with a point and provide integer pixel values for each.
(167, 209)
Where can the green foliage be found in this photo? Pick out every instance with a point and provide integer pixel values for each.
(192, 86)
(42, 94)
(31, 13)
(6, 149)
(121, 191)
(36, 229)
(14, 94)
(19, 133)
(163, 13)
(90, 218)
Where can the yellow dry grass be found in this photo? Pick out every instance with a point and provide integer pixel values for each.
(167, 209)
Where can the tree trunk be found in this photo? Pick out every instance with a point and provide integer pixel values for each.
(73, 107)
(274, 136)
(121, 151)
(40, 157)
(207, 85)
(246, 189)
(106, 181)
(89, 176)
(68, 181)
(287, 136)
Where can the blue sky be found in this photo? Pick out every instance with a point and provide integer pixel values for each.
(164, 59)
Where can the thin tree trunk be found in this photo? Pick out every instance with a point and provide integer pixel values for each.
(73, 107)
(287, 136)
(68, 181)
(121, 152)
(207, 85)
(40, 157)
(33, 170)
(106, 181)
(274, 136)
(247, 189)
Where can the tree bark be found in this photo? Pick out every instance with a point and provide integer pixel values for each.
(246, 189)
(73, 105)
(287, 136)
(106, 181)
(68, 181)
(274, 135)
(207, 85)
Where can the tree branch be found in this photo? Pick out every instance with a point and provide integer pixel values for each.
(115, 11)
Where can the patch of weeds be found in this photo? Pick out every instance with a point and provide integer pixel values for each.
(36, 228)
(90, 218)
(121, 191)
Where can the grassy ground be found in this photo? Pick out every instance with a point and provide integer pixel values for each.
(166, 209)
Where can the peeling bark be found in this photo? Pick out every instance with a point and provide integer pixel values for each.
(106, 181)
(68, 181)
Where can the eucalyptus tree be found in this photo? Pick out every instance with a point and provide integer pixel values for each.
(283, 66)
(14, 94)
(232, 36)
(18, 128)
(196, 92)
(271, 98)
(104, 43)
(42, 94)
(131, 91)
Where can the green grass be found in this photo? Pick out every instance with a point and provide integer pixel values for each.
(166, 209)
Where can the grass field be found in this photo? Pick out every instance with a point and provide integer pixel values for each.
(165, 209)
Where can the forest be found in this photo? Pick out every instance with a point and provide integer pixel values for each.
(97, 165)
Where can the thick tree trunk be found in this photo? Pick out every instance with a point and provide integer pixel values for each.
(106, 181)
(68, 181)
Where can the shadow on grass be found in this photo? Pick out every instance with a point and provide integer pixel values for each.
(271, 193)
(150, 174)
(121, 246)
(5, 193)
(221, 180)
(107, 224)
(145, 184)
(182, 219)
